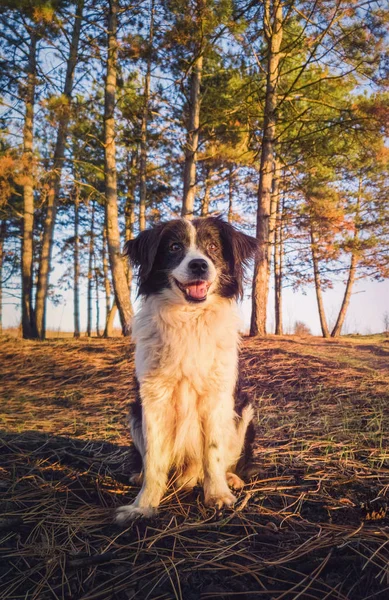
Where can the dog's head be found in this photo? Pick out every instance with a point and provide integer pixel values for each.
(191, 260)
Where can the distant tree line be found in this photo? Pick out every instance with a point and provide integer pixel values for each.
(116, 114)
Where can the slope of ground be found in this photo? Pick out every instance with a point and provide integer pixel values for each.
(312, 523)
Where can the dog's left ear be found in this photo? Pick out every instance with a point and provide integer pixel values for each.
(143, 250)
(243, 246)
(240, 248)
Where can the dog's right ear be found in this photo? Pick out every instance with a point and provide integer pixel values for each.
(143, 250)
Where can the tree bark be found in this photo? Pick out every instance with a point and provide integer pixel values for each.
(319, 294)
(54, 181)
(143, 139)
(97, 299)
(346, 298)
(273, 33)
(192, 139)
(207, 192)
(275, 193)
(76, 258)
(108, 331)
(90, 272)
(278, 266)
(107, 284)
(3, 227)
(230, 193)
(352, 271)
(109, 312)
(129, 211)
(28, 329)
(116, 260)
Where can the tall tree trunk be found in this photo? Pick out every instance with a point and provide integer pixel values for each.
(275, 193)
(273, 34)
(346, 298)
(352, 271)
(192, 139)
(76, 257)
(110, 312)
(97, 299)
(278, 265)
(116, 260)
(231, 174)
(319, 294)
(129, 210)
(28, 329)
(3, 227)
(143, 138)
(107, 284)
(90, 271)
(207, 192)
(55, 180)
(108, 331)
(129, 234)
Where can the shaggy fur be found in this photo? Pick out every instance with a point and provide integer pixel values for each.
(187, 417)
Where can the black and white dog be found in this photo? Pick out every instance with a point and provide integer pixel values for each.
(188, 417)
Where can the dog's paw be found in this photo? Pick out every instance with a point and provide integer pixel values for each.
(124, 514)
(220, 500)
(235, 482)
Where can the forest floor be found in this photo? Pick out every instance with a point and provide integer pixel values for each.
(312, 523)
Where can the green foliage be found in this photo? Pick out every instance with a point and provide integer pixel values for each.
(331, 114)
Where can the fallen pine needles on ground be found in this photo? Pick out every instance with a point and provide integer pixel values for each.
(312, 523)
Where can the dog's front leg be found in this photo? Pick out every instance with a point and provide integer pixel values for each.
(156, 459)
(217, 423)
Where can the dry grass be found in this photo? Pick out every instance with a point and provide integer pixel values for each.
(298, 530)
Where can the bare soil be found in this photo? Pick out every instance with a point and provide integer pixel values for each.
(312, 523)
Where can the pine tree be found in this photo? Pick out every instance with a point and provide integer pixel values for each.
(116, 260)
(53, 185)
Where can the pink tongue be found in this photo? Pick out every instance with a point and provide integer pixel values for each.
(197, 290)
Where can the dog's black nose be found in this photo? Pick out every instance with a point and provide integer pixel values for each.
(198, 266)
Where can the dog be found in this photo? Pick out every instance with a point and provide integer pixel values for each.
(190, 416)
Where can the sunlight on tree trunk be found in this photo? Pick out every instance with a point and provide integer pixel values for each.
(273, 33)
(231, 176)
(192, 140)
(116, 260)
(209, 171)
(76, 258)
(319, 293)
(274, 202)
(108, 331)
(143, 139)
(110, 312)
(278, 265)
(28, 196)
(97, 299)
(352, 270)
(55, 180)
(129, 211)
(90, 271)
(346, 298)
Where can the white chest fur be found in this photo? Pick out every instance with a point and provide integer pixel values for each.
(186, 362)
(195, 342)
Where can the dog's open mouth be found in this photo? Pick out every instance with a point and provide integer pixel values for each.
(194, 291)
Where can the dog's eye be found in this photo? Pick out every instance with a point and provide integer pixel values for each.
(212, 247)
(175, 247)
